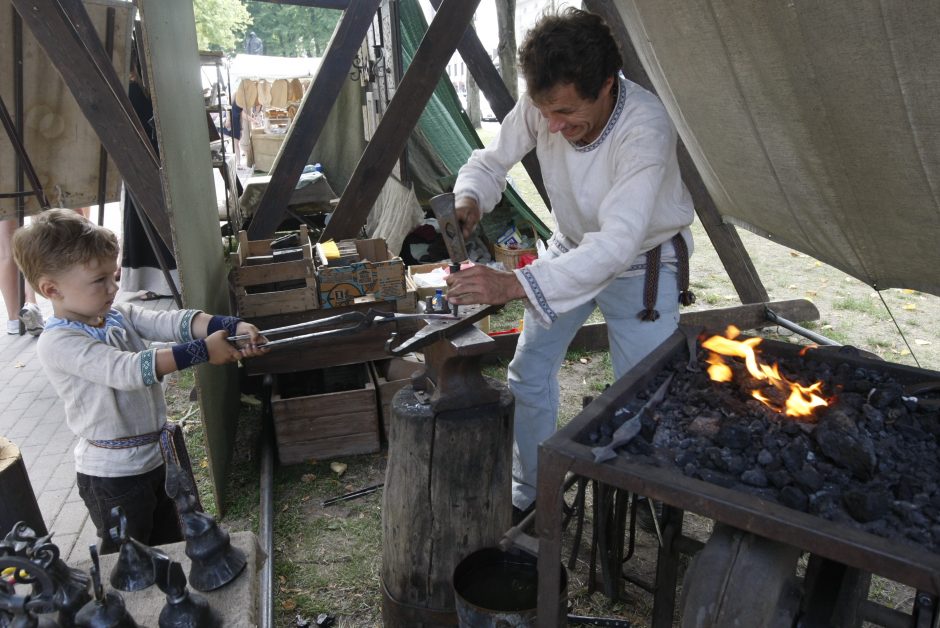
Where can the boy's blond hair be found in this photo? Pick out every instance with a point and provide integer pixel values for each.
(57, 240)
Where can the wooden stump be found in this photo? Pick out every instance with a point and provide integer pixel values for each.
(447, 494)
(17, 500)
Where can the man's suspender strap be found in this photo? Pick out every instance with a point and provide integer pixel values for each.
(651, 280)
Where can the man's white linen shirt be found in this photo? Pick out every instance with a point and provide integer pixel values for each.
(613, 199)
(106, 378)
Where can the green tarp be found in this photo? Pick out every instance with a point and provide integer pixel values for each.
(444, 137)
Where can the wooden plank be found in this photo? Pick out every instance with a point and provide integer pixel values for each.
(64, 31)
(724, 237)
(326, 448)
(593, 337)
(411, 96)
(316, 418)
(169, 43)
(311, 117)
(494, 89)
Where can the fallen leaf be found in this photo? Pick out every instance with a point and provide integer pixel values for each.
(817, 264)
(307, 478)
(250, 400)
(907, 291)
(795, 254)
(792, 286)
(583, 360)
(921, 342)
(289, 604)
(339, 468)
(282, 580)
(811, 293)
(909, 306)
(827, 326)
(18, 365)
(203, 463)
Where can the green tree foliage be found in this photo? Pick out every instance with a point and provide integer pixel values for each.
(220, 24)
(293, 31)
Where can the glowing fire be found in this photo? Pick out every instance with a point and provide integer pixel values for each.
(801, 400)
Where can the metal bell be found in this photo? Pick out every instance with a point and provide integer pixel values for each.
(133, 569)
(215, 562)
(107, 610)
(183, 609)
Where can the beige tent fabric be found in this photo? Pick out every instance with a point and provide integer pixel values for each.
(59, 141)
(395, 213)
(816, 124)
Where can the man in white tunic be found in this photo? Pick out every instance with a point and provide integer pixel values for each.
(607, 150)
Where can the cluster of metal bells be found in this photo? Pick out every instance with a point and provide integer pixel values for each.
(137, 567)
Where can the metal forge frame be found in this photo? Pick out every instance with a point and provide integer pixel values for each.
(566, 452)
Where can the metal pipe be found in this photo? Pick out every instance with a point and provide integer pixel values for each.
(266, 523)
(797, 329)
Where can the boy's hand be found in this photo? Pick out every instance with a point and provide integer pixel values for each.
(254, 345)
(221, 351)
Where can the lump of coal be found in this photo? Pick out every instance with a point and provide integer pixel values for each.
(733, 437)
(840, 439)
(866, 505)
(794, 498)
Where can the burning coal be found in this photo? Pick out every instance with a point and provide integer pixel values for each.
(800, 401)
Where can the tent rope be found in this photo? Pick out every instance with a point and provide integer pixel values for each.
(897, 325)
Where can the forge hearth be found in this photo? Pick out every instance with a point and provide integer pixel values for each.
(868, 459)
(856, 483)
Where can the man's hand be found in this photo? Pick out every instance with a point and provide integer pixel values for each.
(468, 214)
(481, 284)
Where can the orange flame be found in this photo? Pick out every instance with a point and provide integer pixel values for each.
(801, 400)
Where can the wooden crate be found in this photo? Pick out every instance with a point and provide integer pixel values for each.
(390, 376)
(377, 274)
(249, 280)
(325, 413)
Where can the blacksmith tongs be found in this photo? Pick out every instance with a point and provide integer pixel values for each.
(349, 323)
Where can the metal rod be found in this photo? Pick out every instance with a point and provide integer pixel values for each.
(266, 523)
(368, 318)
(797, 329)
(354, 495)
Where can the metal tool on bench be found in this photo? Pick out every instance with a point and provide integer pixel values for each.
(341, 324)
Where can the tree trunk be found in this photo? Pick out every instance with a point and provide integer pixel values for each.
(506, 17)
(473, 101)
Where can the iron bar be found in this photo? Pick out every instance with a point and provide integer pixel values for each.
(266, 522)
(797, 329)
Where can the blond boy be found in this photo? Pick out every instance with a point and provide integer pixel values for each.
(97, 357)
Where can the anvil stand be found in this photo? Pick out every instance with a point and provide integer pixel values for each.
(447, 487)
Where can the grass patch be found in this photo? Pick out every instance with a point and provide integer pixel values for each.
(858, 304)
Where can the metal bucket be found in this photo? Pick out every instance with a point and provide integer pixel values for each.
(497, 589)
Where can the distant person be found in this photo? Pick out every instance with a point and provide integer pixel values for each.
(29, 314)
(254, 45)
(98, 357)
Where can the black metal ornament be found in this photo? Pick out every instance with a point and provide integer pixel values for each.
(55, 586)
(107, 610)
(183, 609)
(133, 569)
(215, 562)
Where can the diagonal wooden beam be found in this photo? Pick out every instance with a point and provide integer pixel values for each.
(66, 33)
(311, 117)
(411, 96)
(724, 237)
(491, 83)
(317, 4)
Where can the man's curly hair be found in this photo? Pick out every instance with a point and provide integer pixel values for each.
(575, 47)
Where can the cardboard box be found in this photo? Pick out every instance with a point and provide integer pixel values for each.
(390, 376)
(325, 413)
(378, 274)
(419, 269)
(265, 288)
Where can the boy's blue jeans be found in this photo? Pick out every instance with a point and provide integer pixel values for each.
(151, 514)
(533, 372)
